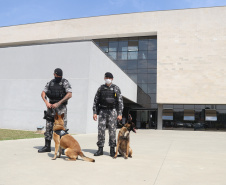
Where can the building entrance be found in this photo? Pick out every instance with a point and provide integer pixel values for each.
(144, 119)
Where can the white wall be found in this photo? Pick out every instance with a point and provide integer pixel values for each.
(25, 70)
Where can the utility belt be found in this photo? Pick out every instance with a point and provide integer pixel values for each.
(107, 107)
(55, 101)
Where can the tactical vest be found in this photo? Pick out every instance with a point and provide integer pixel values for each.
(56, 91)
(108, 97)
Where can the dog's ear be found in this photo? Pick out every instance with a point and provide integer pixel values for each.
(62, 115)
(56, 116)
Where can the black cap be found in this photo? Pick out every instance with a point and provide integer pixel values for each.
(109, 75)
(58, 72)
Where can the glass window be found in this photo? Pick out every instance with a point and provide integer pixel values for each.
(153, 98)
(152, 54)
(144, 87)
(143, 55)
(133, 45)
(221, 106)
(142, 71)
(152, 63)
(112, 55)
(133, 55)
(122, 64)
(122, 55)
(199, 107)
(167, 114)
(151, 88)
(133, 77)
(151, 78)
(152, 71)
(142, 78)
(104, 46)
(152, 44)
(142, 64)
(132, 71)
(143, 45)
(178, 106)
(113, 46)
(123, 46)
(132, 64)
(189, 106)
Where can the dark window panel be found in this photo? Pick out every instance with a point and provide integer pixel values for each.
(142, 64)
(144, 87)
(140, 71)
(132, 55)
(142, 78)
(151, 88)
(189, 106)
(152, 54)
(103, 40)
(113, 46)
(112, 55)
(153, 98)
(132, 64)
(123, 39)
(143, 45)
(113, 39)
(222, 107)
(154, 71)
(133, 71)
(152, 37)
(122, 64)
(143, 55)
(122, 56)
(104, 46)
(133, 38)
(123, 46)
(152, 44)
(152, 63)
(154, 106)
(133, 45)
(97, 43)
(152, 78)
(96, 40)
(133, 77)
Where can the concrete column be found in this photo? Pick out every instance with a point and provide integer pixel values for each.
(159, 122)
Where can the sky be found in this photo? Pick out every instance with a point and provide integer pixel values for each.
(15, 12)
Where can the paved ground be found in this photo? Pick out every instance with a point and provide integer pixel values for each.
(160, 158)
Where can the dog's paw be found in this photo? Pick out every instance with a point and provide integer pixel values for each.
(54, 158)
(114, 157)
(126, 157)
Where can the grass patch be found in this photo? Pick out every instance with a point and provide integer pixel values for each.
(7, 134)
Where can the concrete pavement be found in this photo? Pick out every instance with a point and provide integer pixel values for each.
(159, 158)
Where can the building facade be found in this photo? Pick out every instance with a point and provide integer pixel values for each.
(176, 59)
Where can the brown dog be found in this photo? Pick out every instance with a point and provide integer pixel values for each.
(66, 141)
(123, 143)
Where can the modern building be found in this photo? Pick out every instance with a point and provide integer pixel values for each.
(170, 66)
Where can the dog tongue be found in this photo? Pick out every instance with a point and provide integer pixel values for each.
(134, 130)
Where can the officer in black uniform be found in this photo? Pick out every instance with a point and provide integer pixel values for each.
(108, 103)
(58, 91)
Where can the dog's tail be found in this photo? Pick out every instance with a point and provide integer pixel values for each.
(85, 158)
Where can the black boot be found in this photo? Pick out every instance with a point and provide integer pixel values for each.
(112, 151)
(99, 152)
(46, 148)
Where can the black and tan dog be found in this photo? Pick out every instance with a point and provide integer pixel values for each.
(123, 143)
(66, 141)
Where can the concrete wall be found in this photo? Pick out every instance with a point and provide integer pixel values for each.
(25, 70)
(191, 47)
